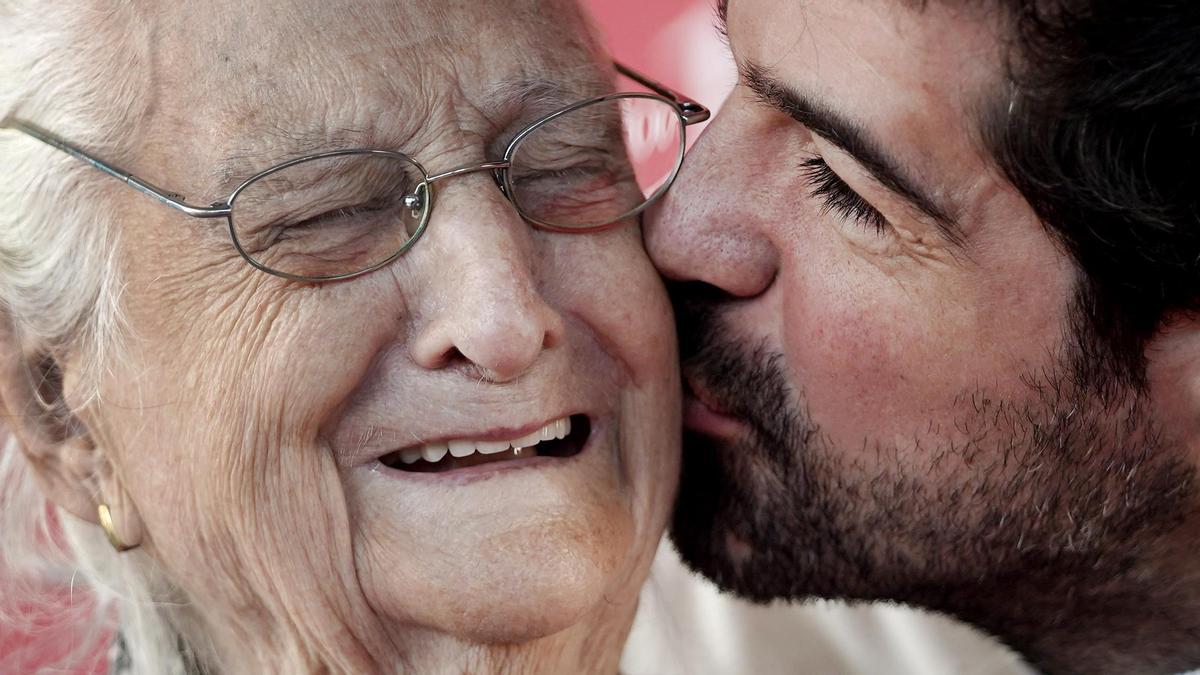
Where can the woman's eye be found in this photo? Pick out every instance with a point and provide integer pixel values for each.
(346, 213)
(837, 197)
(578, 175)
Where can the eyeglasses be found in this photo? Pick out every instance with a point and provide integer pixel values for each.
(336, 215)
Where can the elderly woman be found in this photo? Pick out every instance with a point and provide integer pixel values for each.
(379, 379)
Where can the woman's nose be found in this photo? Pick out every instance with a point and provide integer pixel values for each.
(706, 227)
(483, 305)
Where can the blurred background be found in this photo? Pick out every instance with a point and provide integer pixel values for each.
(673, 41)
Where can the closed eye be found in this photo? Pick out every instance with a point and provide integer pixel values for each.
(838, 197)
(334, 215)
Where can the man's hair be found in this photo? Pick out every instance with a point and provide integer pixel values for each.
(1101, 134)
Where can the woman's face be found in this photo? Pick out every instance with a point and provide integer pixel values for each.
(257, 424)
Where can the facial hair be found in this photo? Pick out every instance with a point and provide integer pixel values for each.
(1034, 510)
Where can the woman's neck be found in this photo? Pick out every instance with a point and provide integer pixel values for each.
(587, 649)
(592, 646)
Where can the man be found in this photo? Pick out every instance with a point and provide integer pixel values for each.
(937, 270)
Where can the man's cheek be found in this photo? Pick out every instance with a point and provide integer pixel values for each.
(868, 371)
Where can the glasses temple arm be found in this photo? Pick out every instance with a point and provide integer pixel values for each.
(693, 112)
(171, 199)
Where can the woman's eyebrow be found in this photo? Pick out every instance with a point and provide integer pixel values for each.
(275, 145)
(545, 92)
(851, 138)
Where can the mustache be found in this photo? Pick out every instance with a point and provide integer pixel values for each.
(744, 378)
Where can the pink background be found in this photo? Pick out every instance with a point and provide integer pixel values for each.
(672, 41)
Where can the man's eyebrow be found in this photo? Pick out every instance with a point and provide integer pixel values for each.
(852, 139)
(723, 18)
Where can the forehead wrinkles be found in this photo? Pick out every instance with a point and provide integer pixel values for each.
(303, 76)
(251, 40)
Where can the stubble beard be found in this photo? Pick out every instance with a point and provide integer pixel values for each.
(1040, 513)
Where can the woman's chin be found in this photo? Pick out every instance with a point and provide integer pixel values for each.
(524, 584)
(500, 556)
(535, 607)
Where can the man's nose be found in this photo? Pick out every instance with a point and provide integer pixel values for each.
(705, 228)
(481, 305)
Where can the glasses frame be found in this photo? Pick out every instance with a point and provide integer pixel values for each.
(689, 111)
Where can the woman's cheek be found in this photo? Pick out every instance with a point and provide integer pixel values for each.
(608, 282)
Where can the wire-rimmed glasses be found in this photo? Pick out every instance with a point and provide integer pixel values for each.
(336, 215)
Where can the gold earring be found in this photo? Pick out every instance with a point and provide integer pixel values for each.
(106, 524)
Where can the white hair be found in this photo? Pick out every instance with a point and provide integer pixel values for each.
(78, 70)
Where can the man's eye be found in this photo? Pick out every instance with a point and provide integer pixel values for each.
(838, 197)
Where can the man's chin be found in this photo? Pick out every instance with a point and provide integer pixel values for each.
(712, 528)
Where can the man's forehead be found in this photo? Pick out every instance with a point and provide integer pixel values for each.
(916, 78)
(936, 49)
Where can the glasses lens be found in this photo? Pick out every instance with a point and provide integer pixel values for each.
(597, 164)
(331, 216)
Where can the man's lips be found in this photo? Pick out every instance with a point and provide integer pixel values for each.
(702, 413)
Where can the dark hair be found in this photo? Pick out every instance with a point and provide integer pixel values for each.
(1101, 134)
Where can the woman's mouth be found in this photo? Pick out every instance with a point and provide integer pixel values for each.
(564, 437)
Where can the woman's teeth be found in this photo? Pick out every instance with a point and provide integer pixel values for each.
(458, 449)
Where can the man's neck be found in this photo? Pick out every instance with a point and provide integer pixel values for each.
(1143, 619)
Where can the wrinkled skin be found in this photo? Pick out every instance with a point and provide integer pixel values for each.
(237, 440)
(888, 413)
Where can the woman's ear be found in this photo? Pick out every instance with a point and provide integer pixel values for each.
(61, 451)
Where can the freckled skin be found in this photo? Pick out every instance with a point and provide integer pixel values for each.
(913, 424)
(231, 423)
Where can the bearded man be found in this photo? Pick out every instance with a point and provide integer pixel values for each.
(937, 268)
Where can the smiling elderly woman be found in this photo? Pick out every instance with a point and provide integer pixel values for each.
(392, 388)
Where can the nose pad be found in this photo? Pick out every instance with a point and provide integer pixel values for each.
(498, 176)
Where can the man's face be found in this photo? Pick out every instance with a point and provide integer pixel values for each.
(893, 395)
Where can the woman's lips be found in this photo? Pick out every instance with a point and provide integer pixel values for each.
(563, 437)
(701, 413)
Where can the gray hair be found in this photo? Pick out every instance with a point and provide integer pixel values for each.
(79, 69)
